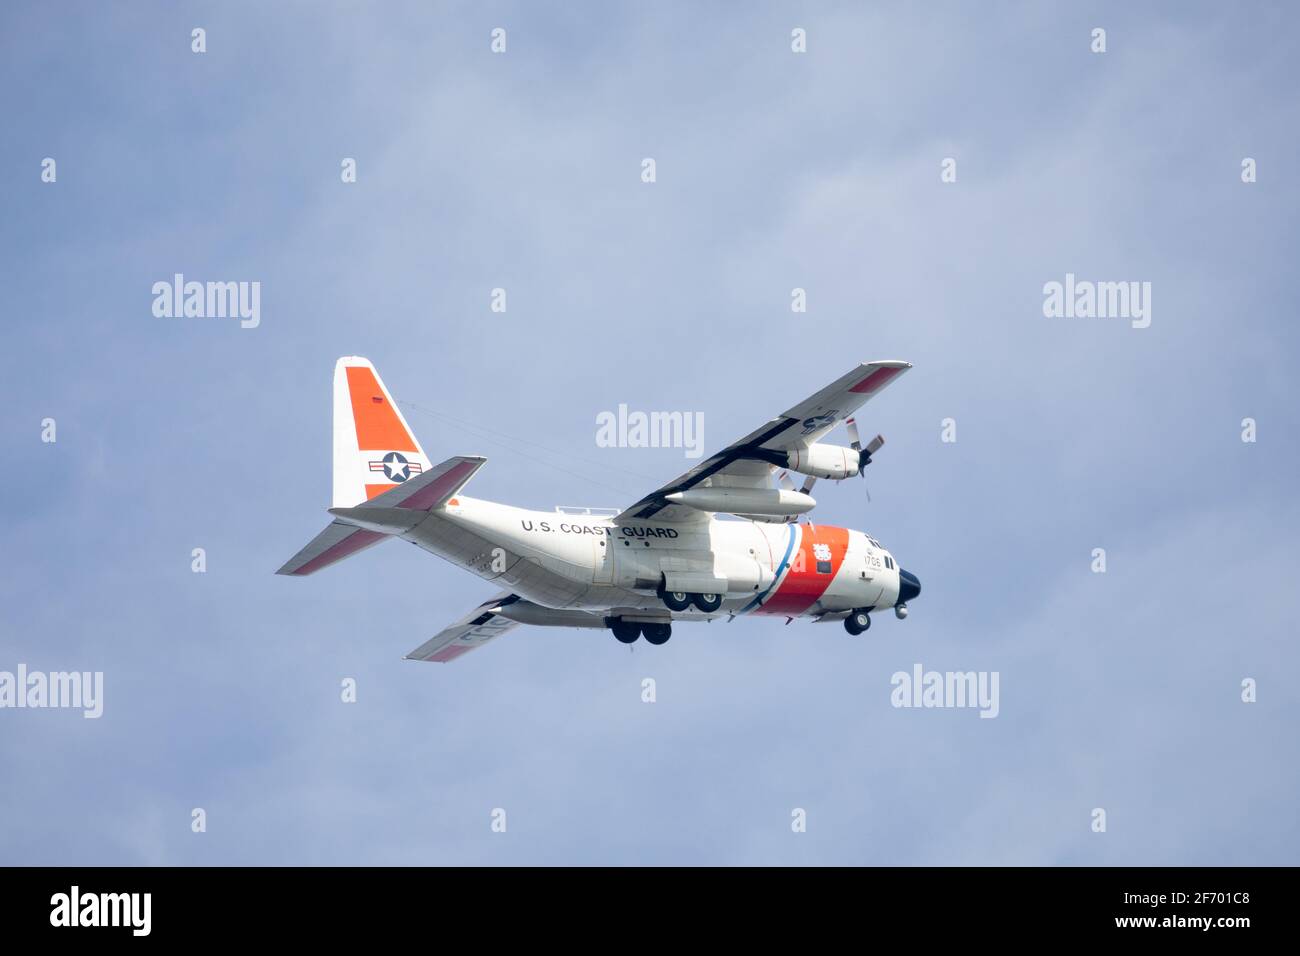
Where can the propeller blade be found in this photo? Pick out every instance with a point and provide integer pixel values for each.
(808, 483)
(875, 445)
(855, 442)
(785, 481)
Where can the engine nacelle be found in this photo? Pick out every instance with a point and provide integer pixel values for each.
(825, 461)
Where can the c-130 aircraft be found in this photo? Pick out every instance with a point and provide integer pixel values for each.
(668, 557)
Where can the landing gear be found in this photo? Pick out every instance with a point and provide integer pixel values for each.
(625, 631)
(657, 633)
(678, 601)
(857, 622)
(900, 611)
(708, 603)
(675, 600)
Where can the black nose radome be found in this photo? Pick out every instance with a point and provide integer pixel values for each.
(909, 586)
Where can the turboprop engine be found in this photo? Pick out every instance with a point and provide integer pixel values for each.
(825, 461)
(745, 501)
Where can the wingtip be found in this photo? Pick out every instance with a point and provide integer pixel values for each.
(889, 363)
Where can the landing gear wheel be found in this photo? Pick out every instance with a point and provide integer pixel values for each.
(675, 600)
(708, 603)
(657, 633)
(625, 631)
(857, 622)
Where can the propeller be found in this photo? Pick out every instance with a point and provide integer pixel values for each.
(855, 442)
(786, 482)
(864, 459)
(864, 454)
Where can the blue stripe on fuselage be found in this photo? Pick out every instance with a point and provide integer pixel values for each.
(780, 569)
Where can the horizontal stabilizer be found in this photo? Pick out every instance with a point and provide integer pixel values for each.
(336, 542)
(427, 491)
(473, 630)
(383, 520)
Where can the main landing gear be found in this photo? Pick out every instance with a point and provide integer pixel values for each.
(625, 631)
(679, 601)
(657, 633)
(628, 631)
(857, 622)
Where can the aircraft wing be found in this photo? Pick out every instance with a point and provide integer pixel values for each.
(493, 618)
(740, 466)
(473, 630)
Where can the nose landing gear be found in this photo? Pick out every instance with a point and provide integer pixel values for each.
(857, 622)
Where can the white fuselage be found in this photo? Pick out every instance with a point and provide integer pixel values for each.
(588, 563)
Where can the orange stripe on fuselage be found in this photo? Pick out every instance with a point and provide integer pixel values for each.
(804, 584)
(378, 427)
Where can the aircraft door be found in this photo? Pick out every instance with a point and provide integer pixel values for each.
(602, 547)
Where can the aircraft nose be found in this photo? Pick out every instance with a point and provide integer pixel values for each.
(909, 586)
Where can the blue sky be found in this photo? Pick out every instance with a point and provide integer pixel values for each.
(774, 171)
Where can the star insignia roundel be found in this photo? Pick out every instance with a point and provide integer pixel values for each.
(396, 466)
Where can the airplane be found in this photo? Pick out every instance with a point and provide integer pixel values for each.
(719, 541)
